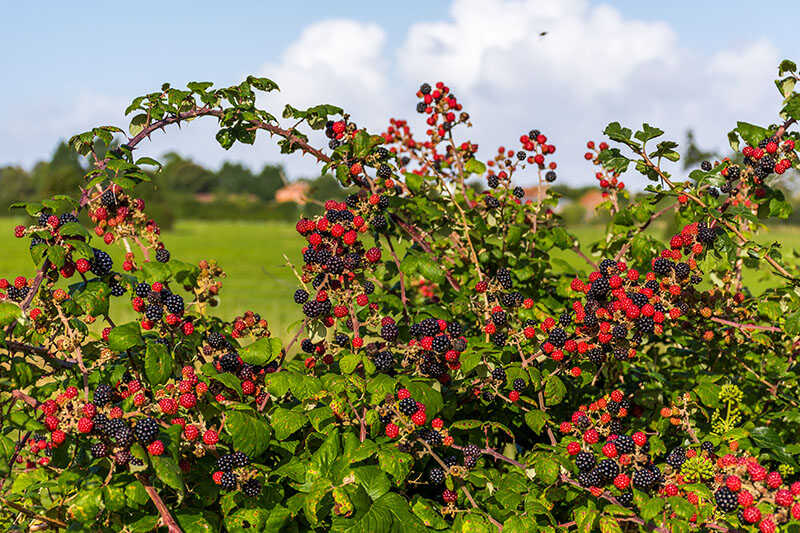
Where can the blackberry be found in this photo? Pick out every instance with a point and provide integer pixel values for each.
(215, 340)
(146, 430)
(313, 309)
(557, 337)
(550, 176)
(608, 469)
(705, 165)
(240, 459)
(599, 288)
(583, 422)
(230, 362)
(382, 153)
(767, 163)
(432, 437)
(643, 479)
(493, 181)
(499, 318)
(499, 339)
(459, 344)
(99, 423)
(590, 479)
(425, 88)
(123, 436)
(645, 324)
(174, 304)
(619, 331)
(408, 406)
(307, 346)
(117, 288)
(472, 449)
(162, 255)
(705, 234)
(123, 457)
(384, 170)
(66, 218)
(225, 463)
(733, 172)
(101, 263)
(624, 443)
(707, 447)
(596, 356)
(103, 395)
(726, 500)
(519, 384)
(441, 343)
(626, 498)
(519, 192)
(470, 461)
(491, 202)
(521, 155)
(499, 374)
(534, 133)
(251, 488)
(620, 354)
(352, 200)
(653, 286)
(429, 327)
(454, 329)
(565, 319)
(713, 192)
(451, 460)
(379, 223)
(504, 277)
(99, 449)
(368, 287)
(615, 426)
(662, 266)
(341, 339)
(153, 312)
(228, 481)
(384, 361)
(585, 461)
(638, 298)
(436, 476)
(108, 198)
(389, 332)
(142, 290)
(488, 396)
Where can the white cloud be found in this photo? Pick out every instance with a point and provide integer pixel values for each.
(593, 66)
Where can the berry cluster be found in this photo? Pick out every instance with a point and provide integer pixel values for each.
(607, 177)
(161, 306)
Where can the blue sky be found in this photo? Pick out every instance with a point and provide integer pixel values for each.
(679, 64)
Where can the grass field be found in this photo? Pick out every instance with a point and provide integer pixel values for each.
(257, 276)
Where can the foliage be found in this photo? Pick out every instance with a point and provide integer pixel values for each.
(457, 376)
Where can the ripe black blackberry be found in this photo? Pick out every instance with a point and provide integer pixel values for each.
(599, 289)
(499, 374)
(707, 446)
(99, 449)
(596, 356)
(251, 488)
(733, 172)
(705, 235)
(174, 304)
(499, 318)
(645, 324)
(470, 461)
(123, 436)
(619, 331)
(626, 498)
(229, 362)
(519, 384)
(389, 332)
(643, 479)
(451, 460)
(441, 343)
(142, 290)
(384, 361)
(66, 218)
(550, 176)
(557, 337)
(472, 449)
(493, 181)
(103, 394)
(384, 170)
(408, 406)
(240, 459)
(429, 327)
(590, 479)
(432, 437)
(162, 255)
(705, 165)
(341, 339)
(307, 346)
(519, 192)
(382, 153)
(154, 312)
(228, 481)
(682, 271)
(676, 458)
(585, 461)
(425, 88)
(110, 427)
(615, 426)
(17, 295)
(504, 278)
(454, 329)
(491, 202)
(499, 339)
(123, 457)
(726, 500)
(379, 223)
(117, 288)
(521, 155)
(225, 463)
(662, 266)
(436, 475)
(146, 430)
(653, 285)
(608, 469)
(215, 340)
(583, 422)
(101, 263)
(108, 198)
(624, 443)
(368, 287)
(313, 309)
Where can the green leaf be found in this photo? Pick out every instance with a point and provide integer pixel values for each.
(388, 514)
(536, 420)
(9, 313)
(395, 463)
(429, 269)
(585, 519)
(286, 422)
(374, 481)
(652, 507)
(124, 337)
(546, 469)
(93, 297)
(250, 434)
(261, 351)
(554, 390)
(193, 523)
(751, 133)
(168, 471)
(768, 439)
(157, 363)
(473, 166)
(609, 524)
(648, 132)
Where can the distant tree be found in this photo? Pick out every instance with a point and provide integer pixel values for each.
(694, 154)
